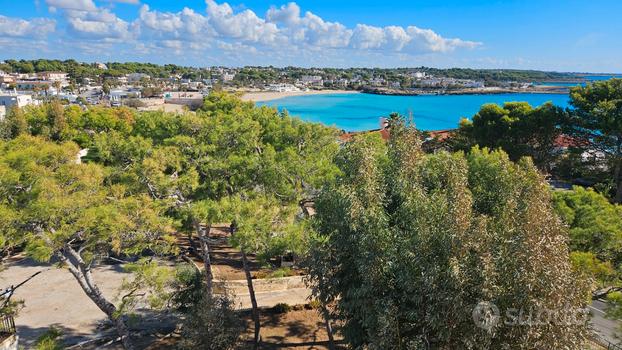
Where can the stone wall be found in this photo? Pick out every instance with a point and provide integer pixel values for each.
(239, 287)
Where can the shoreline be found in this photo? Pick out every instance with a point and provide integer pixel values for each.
(264, 96)
(499, 91)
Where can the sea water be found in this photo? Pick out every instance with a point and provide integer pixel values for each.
(360, 111)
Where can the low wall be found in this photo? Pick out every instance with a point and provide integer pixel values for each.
(239, 287)
(190, 102)
(9, 343)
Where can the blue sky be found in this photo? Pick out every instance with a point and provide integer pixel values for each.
(562, 35)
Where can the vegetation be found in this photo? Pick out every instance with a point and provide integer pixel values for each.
(517, 128)
(252, 76)
(70, 212)
(595, 120)
(428, 237)
(144, 172)
(50, 340)
(403, 247)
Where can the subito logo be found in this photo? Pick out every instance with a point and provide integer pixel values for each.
(486, 315)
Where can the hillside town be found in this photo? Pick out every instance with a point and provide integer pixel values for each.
(141, 86)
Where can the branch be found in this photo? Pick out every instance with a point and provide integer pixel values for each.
(191, 262)
(12, 289)
(117, 260)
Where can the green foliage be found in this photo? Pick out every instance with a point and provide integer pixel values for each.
(188, 288)
(281, 308)
(150, 283)
(595, 224)
(50, 340)
(517, 128)
(212, 325)
(589, 266)
(410, 243)
(14, 124)
(281, 272)
(596, 120)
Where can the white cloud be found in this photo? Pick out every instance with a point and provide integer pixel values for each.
(98, 29)
(81, 5)
(283, 31)
(86, 20)
(131, 2)
(426, 40)
(185, 25)
(245, 25)
(367, 37)
(17, 27)
(287, 15)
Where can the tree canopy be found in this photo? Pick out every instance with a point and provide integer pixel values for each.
(517, 128)
(596, 120)
(410, 243)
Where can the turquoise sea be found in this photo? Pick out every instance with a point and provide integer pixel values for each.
(356, 112)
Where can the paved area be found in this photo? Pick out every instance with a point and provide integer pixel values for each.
(55, 298)
(607, 329)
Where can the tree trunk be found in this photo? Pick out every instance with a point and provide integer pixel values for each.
(618, 181)
(329, 328)
(207, 262)
(83, 276)
(251, 291)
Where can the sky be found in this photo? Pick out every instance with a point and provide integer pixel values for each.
(557, 35)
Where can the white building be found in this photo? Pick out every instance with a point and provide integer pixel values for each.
(116, 96)
(474, 84)
(9, 99)
(2, 112)
(228, 77)
(312, 80)
(377, 82)
(54, 76)
(281, 87)
(43, 85)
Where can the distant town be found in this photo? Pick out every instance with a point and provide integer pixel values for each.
(171, 87)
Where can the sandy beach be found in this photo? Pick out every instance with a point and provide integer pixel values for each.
(262, 96)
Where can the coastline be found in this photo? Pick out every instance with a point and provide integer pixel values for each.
(263, 96)
(485, 91)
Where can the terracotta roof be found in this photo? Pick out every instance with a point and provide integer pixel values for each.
(347, 136)
(441, 135)
(566, 141)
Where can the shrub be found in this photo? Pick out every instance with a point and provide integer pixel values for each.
(212, 325)
(281, 272)
(50, 340)
(314, 304)
(281, 308)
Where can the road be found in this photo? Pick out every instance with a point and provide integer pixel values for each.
(607, 329)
